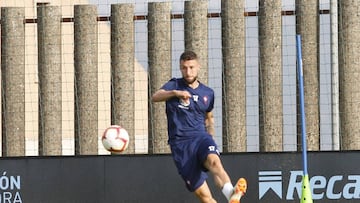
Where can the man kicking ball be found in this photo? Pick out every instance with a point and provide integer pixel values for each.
(189, 105)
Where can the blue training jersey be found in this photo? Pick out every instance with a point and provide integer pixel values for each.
(187, 120)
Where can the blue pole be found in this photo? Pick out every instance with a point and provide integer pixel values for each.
(306, 196)
(302, 105)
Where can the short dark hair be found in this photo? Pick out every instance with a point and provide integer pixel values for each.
(188, 55)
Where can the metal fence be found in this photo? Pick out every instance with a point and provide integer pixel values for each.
(90, 71)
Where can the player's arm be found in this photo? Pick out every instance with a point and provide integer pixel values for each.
(163, 95)
(210, 123)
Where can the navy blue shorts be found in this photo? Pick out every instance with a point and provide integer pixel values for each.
(189, 156)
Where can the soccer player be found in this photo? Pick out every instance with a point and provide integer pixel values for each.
(189, 105)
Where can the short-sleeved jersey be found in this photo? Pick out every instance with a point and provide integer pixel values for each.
(186, 120)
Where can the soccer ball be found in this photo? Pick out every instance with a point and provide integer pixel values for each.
(115, 139)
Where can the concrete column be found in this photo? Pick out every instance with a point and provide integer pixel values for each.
(159, 50)
(307, 20)
(122, 70)
(13, 81)
(234, 81)
(196, 33)
(86, 79)
(349, 72)
(270, 78)
(49, 72)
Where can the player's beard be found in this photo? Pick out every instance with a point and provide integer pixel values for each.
(189, 82)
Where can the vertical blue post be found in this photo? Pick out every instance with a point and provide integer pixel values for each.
(306, 191)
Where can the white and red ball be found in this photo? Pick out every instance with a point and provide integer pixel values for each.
(115, 139)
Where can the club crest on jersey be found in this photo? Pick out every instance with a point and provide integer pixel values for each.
(205, 99)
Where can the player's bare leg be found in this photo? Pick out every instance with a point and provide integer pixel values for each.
(203, 193)
(222, 179)
(214, 165)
